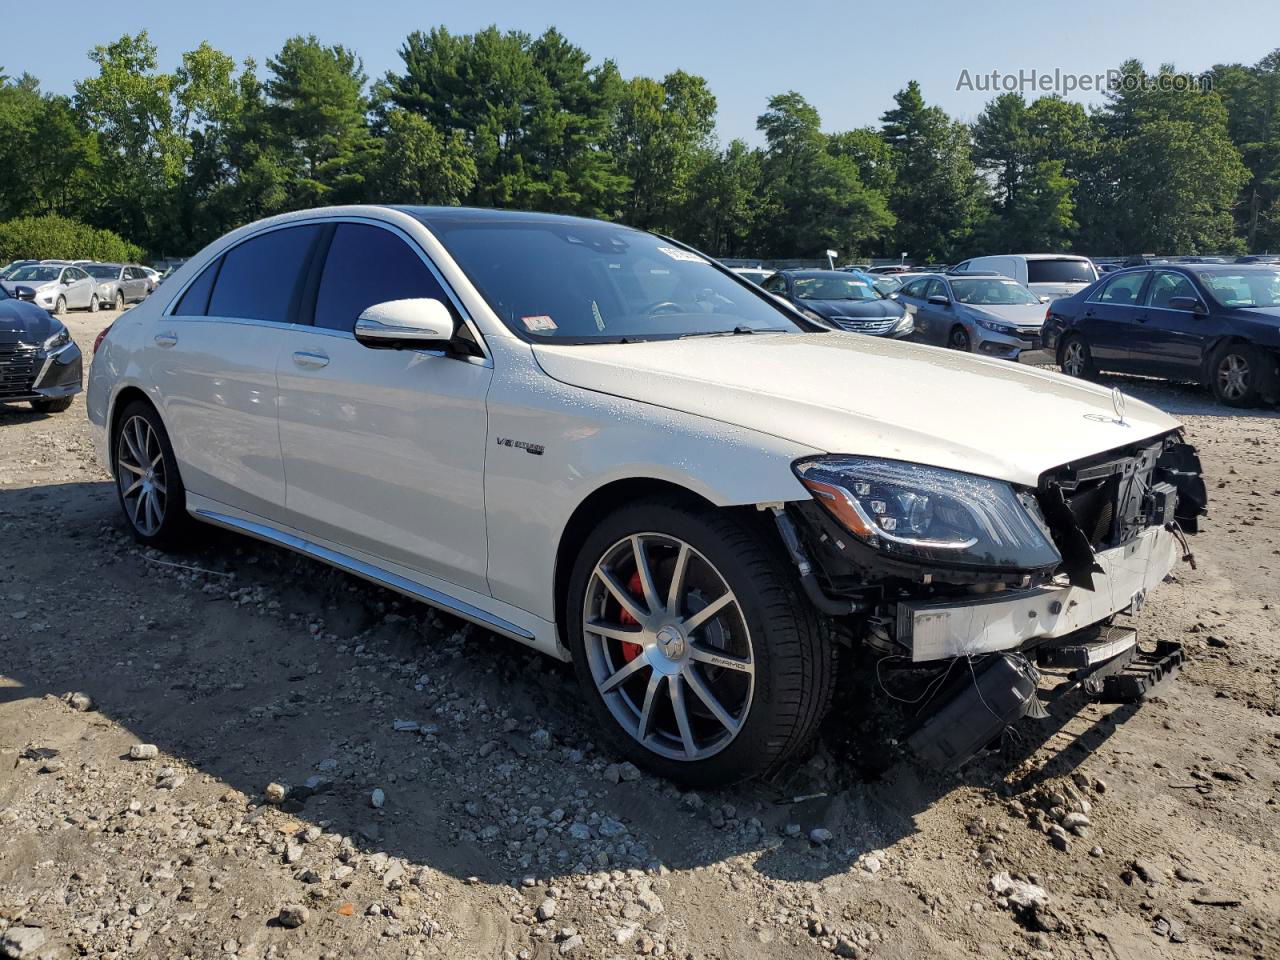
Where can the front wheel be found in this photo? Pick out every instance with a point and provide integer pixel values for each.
(959, 340)
(51, 406)
(60, 306)
(148, 485)
(697, 652)
(1236, 372)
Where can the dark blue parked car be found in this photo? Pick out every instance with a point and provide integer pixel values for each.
(1215, 324)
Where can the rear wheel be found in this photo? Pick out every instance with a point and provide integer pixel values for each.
(1075, 358)
(147, 480)
(93, 304)
(697, 653)
(959, 339)
(119, 300)
(51, 406)
(1236, 372)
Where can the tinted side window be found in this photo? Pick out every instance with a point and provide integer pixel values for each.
(368, 265)
(1166, 286)
(1123, 290)
(259, 278)
(195, 302)
(776, 284)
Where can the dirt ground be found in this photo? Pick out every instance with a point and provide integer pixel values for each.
(443, 794)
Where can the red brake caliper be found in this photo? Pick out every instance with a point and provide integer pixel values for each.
(631, 650)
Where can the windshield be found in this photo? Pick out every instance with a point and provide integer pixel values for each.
(595, 282)
(1243, 288)
(102, 271)
(887, 284)
(40, 274)
(828, 287)
(1060, 271)
(993, 290)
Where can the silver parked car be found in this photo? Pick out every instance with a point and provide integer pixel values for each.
(979, 313)
(55, 286)
(119, 283)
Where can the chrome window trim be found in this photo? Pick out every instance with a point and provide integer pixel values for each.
(486, 360)
(374, 574)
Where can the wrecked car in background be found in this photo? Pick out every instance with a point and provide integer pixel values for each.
(598, 442)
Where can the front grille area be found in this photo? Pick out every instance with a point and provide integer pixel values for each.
(875, 328)
(1107, 495)
(18, 366)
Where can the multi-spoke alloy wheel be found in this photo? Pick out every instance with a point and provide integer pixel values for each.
(668, 646)
(699, 655)
(1076, 360)
(141, 475)
(1233, 376)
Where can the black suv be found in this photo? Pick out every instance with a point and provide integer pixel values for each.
(1215, 324)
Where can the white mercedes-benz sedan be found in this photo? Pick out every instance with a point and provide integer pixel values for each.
(601, 443)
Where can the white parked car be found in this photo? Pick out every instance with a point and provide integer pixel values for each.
(598, 442)
(1049, 275)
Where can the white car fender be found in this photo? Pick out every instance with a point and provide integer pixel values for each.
(552, 445)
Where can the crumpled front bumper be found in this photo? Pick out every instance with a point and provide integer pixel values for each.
(1012, 619)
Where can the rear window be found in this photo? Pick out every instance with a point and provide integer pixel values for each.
(259, 278)
(1060, 271)
(195, 302)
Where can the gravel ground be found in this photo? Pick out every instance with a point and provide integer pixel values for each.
(234, 752)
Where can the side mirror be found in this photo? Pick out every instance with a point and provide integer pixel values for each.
(1044, 298)
(939, 300)
(1190, 304)
(422, 323)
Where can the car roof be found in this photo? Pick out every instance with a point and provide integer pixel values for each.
(430, 215)
(841, 274)
(1047, 256)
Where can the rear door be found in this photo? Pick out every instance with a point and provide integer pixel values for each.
(1110, 320)
(214, 365)
(384, 449)
(135, 283)
(1169, 342)
(912, 294)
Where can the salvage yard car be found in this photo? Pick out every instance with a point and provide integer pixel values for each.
(600, 443)
(39, 362)
(1216, 325)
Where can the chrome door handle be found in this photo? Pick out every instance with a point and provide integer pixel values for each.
(166, 339)
(311, 361)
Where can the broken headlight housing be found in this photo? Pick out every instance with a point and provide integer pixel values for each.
(927, 514)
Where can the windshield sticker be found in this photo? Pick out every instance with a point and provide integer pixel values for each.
(595, 312)
(538, 324)
(676, 254)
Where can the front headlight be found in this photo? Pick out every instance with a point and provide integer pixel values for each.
(928, 514)
(995, 326)
(905, 324)
(58, 340)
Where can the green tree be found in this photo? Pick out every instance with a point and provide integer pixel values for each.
(317, 108)
(47, 161)
(721, 206)
(937, 197)
(419, 164)
(1251, 95)
(814, 197)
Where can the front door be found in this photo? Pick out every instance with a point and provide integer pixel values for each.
(384, 449)
(1169, 342)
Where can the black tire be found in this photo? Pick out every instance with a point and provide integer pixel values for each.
(93, 303)
(60, 307)
(1075, 359)
(958, 339)
(1236, 374)
(119, 300)
(174, 521)
(51, 406)
(794, 660)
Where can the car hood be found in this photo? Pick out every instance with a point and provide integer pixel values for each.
(861, 395)
(1018, 314)
(25, 322)
(861, 309)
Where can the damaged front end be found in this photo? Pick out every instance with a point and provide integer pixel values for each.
(963, 587)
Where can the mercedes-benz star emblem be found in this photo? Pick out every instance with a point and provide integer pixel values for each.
(1117, 403)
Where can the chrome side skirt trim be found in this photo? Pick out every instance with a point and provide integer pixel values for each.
(383, 578)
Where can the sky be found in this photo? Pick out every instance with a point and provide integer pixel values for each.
(848, 59)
